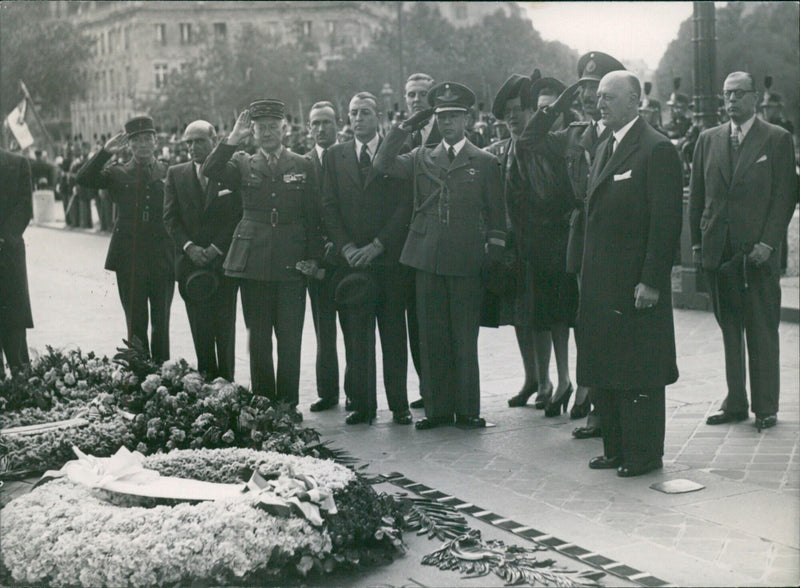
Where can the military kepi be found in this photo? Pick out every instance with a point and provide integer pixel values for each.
(140, 124)
(269, 108)
(594, 65)
(451, 96)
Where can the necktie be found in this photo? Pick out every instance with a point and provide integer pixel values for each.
(363, 159)
(735, 140)
(272, 162)
(593, 133)
(451, 153)
(202, 179)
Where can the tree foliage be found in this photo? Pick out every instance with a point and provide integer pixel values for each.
(47, 56)
(760, 38)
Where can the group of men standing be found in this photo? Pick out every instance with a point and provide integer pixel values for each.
(406, 232)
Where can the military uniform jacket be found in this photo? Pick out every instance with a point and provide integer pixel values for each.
(357, 210)
(139, 241)
(204, 217)
(458, 206)
(16, 210)
(280, 219)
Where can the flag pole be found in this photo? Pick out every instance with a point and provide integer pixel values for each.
(36, 115)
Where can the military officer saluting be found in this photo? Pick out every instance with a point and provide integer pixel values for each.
(141, 252)
(275, 243)
(458, 215)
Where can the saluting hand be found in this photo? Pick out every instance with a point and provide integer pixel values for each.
(418, 120)
(116, 143)
(241, 129)
(564, 101)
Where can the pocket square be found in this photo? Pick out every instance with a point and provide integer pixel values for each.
(762, 158)
(222, 193)
(625, 176)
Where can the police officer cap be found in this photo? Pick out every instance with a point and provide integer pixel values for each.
(140, 124)
(201, 285)
(594, 65)
(551, 86)
(356, 290)
(269, 108)
(451, 96)
(515, 86)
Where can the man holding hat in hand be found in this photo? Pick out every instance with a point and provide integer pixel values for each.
(200, 217)
(274, 245)
(458, 216)
(141, 252)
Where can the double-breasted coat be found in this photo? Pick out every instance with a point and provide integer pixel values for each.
(16, 211)
(633, 225)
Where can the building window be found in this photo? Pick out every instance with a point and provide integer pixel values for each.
(161, 34)
(274, 30)
(102, 43)
(126, 37)
(304, 28)
(460, 11)
(186, 33)
(220, 31)
(160, 70)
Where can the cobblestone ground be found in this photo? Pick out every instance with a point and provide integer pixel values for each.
(741, 529)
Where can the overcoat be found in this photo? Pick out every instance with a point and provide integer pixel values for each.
(633, 225)
(16, 211)
(280, 218)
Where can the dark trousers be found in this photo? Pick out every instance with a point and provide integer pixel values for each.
(139, 289)
(321, 294)
(14, 345)
(358, 325)
(413, 327)
(752, 315)
(277, 306)
(213, 325)
(633, 423)
(448, 309)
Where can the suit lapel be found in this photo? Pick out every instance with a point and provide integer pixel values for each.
(463, 157)
(373, 173)
(749, 149)
(349, 162)
(195, 190)
(439, 156)
(624, 150)
(258, 164)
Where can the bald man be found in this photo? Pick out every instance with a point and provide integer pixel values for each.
(625, 332)
(201, 217)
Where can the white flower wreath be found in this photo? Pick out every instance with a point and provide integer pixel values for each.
(65, 533)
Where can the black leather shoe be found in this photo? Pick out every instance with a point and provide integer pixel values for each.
(766, 421)
(473, 422)
(631, 470)
(419, 403)
(587, 432)
(322, 404)
(402, 417)
(604, 463)
(354, 418)
(431, 423)
(726, 417)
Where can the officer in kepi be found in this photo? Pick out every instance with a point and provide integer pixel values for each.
(458, 221)
(141, 252)
(274, 246)
(679, 119)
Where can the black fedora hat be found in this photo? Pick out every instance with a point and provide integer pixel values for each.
(201, 284)
(357, 289)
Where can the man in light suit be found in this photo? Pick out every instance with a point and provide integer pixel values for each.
(16, 211)
(743, 191)
(625, 333)
(366, 214)
(458, 215)
(200, 217)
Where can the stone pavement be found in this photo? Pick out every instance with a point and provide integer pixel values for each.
(742, 529)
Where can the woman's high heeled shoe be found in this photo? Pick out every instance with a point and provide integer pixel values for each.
(543, 397)
(558, 405)
(580, 410)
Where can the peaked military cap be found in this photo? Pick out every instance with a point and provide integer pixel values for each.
(269, 108)
(677, 97)
(547, 85)
(515, 86)
(451, 96)
(140, 124)
(594, 65)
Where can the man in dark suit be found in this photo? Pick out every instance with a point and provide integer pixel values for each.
(141, 251)
(416, 94)
(625, 332)
(576, 145)
(200, 218)
(366, 215)
(274, 245)
(16, 211)
(458, 214)
(743, 191)
(321, 292)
